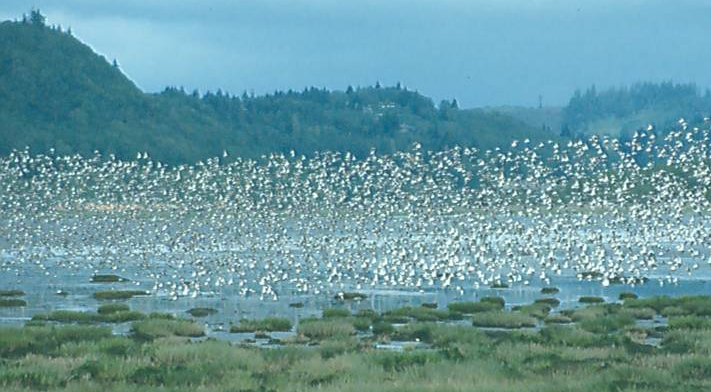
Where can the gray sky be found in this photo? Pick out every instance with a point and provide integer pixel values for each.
(482, 52)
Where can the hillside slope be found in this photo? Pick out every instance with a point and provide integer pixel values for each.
(55, 92)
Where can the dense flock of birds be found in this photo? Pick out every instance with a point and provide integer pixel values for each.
(460, 219)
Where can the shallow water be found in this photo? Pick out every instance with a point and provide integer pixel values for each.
(41, 297)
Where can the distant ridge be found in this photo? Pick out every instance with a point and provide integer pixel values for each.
(55, 92)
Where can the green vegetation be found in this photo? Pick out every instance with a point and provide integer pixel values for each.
(607, 323)
(150, 329)
(557, 318)
(83, 103)
(603, 352)
(108, 316)
(161, 315)
(112, 308)
(549, 290)
(640, 313)
(11, 293)
(621, 111)
(17, 342)
(552, 302)
(419, 313)
(326, 329)
(118, 294)
(537, 309)
(382, 328)
(690, 322)
(335, 312)
(107, 279)
(627, 295)
(588, 299)
(699, 305)
(502, 319)
(201, 312)
(269, 324)
(297, 305)
(12, 303)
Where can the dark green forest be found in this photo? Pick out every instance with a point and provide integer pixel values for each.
(57, 93)
(621, 111)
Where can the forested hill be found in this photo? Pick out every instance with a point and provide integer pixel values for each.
(621, 111)
(55, 92)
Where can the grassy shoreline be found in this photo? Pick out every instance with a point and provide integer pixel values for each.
(601, 349)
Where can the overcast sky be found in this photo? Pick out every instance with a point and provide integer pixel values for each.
(482, 52)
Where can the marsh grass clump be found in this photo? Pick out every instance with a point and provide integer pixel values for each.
(639, 313)
(297, 305)
(118, 294)
(326, 329)
(333, 348)
(11, 293)
(161, 315)
(552, 302)
(112, 308)
(557, 318)
(431, 305)
(361, 324)
(420, 332)
(699, 305)
(268, 324)
(473, 307)
(591, 311)
(381, 328)
(627, 295)
(350, 296)
(694, 367)
(681, 341)
(657, 302)
(673, 311)
(591, 299)
(151, 329)
(68, 316)
(71, 316)
(12, 303)
(549, 290)
(42, 340)
(419, 313)
(398, 362)
(201, 312)
(607, 323)
(689, 322)
(335, 312)
(494, 300)
(572, 335)
(537, 309)
(499, 285)
(503, 319)
(122, 317)
(395, 319)
(108, 278)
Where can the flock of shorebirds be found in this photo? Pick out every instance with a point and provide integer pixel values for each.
(459, 219)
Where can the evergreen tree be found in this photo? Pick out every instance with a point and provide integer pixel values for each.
(36, 17)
